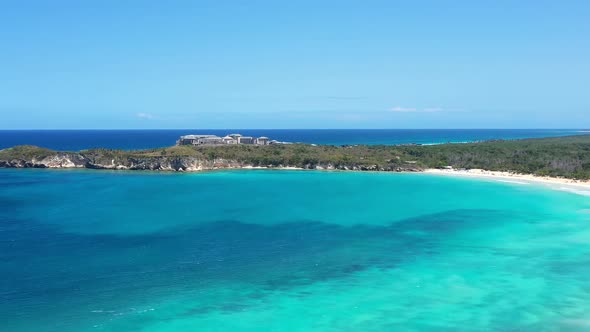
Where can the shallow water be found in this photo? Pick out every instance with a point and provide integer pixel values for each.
(289, 251)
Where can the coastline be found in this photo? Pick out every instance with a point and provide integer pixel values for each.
(581, 187)
(566, 158)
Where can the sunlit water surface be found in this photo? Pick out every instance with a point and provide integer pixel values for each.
(289, 251)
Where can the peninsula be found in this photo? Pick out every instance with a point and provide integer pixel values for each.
(562, 157)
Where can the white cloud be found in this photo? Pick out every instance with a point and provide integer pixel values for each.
(433, 109)
(145, 116)
(400, 109)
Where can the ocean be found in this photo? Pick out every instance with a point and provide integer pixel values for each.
(75, 140)
(261, 250)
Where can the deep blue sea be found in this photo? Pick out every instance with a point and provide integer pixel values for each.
(74, 140)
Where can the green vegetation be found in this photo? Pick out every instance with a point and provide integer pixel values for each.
(563, 156)
(25, 152)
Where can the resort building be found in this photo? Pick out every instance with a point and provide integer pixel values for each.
(262, 140)
(229, 139)
(245, 140)
(199, 139)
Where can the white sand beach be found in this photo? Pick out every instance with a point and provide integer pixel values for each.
(581, 187)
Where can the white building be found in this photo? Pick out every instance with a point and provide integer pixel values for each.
(229, 139)
(246, 140)
(210, 140)
(262, 140)
(198, 139)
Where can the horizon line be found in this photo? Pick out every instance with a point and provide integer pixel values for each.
(163, 129)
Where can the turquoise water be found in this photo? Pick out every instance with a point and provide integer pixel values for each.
(289, 251)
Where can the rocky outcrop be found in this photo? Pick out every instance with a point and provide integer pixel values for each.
(113, 161)
(63, 160)
(79, 160)
(367, 168)
(179, 164)
(58, 160)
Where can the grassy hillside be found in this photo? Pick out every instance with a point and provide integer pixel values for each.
(25, 152)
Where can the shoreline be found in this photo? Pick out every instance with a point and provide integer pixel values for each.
(581, 187)
(508, 177)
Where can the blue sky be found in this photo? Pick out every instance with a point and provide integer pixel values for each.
(294, 64)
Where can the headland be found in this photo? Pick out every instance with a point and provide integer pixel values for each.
(561, 159)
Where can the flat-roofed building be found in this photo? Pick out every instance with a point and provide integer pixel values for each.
(199, 139)
(190, 139)
(246, 140)
(210, 140)
(262, 140)
(229, 140)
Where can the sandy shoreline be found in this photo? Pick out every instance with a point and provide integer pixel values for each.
(581, 187)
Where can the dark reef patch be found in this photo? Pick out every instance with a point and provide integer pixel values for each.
(270, 257)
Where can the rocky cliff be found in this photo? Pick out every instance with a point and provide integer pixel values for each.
(79, 160)
(34, 157)
(57, 160)
(567, 157)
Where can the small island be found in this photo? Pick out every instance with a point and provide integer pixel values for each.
(561, 157)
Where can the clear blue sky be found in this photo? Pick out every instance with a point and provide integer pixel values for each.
(294, 64)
